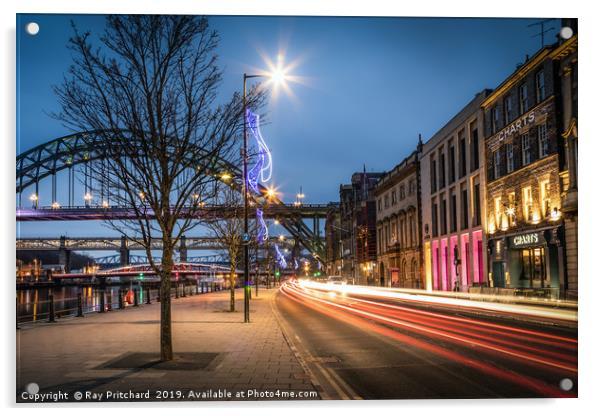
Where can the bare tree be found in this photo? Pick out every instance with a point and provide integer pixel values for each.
(228, 231)
(148, 91)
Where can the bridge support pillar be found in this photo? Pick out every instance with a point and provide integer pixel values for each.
(124, 253)
(183, 250)
(64, 255)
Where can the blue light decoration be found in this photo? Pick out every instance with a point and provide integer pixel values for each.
(280, 257)
(262, 232)
(296, 264)
(262, 170)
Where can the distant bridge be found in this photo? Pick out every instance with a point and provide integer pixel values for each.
(65, 153)
(91, 212)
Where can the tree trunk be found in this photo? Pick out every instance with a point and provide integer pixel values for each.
(166, 342)
(232, 287)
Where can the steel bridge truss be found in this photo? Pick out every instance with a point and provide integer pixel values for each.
(64, 153)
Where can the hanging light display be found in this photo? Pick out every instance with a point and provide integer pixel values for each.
(262, 232)
(262, 170)
(280, 257)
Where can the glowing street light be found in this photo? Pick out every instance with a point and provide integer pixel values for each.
(270, 193)
(277, 76)
(34, 200)
(87, 198)
(55, 205)
(281, 237)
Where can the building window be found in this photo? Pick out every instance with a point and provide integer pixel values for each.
(474, 154)
(453, 214)
(509, 157)
(464, 208)
(393, 196)
(495, 118)
(386, 201)
(434, 219)
(462, 156)
(527, 204)
(476, 198)
(433, 175)
(443, 217)
(497, 209)
(507, 109)
(540, 86)
(412, 188)
(526, 149)
(523, 94)
(497, 163)
(402, 191)
(542, 140)
(441, 170)
(544, 197)
(452, 162)
(511, 208)
(380, 204)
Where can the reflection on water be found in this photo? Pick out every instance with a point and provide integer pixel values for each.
(34, 305)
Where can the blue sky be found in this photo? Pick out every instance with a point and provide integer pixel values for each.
(370, 86)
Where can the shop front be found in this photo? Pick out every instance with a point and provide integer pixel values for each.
(531, 262)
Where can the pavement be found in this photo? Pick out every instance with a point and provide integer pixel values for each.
(114, 356)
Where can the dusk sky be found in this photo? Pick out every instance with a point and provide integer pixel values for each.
(370, 85)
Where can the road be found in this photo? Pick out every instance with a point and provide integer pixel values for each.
(365, 346)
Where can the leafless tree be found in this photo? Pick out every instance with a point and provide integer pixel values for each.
(228, 231)
(148, 88)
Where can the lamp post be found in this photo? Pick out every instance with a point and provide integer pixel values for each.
(277, 76)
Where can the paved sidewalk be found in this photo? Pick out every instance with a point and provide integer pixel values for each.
(118, 350)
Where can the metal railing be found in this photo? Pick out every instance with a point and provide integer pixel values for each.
(101, 301)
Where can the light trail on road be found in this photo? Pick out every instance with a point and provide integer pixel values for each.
(515, 353)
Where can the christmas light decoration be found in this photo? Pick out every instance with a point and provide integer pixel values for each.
(262, 170)
(262, 233)
(280, 257)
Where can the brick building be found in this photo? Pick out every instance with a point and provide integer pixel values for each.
(357, 230)
(524, 159)
(398, 225)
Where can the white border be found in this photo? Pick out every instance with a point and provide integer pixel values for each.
(590, 286)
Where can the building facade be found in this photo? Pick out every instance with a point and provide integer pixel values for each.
(452, 199)
(565, 55)
(398, 229)
(332, 232)
(357, 231)
(524, 158)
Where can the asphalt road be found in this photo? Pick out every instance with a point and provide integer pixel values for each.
(361, 347)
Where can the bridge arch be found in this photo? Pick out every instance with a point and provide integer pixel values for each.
(64, 153)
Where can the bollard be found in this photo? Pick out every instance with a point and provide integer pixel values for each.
(148, 301)
(177, 291)
(102, 302)
(121, 302)
(80, 306)
(184, 286)
(135, 296)
(159, 294)
(196, 288)
(51, 308)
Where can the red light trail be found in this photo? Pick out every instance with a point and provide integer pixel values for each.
(446, 335)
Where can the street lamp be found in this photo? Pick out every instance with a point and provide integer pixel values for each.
(299, 201)
(277, 76)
